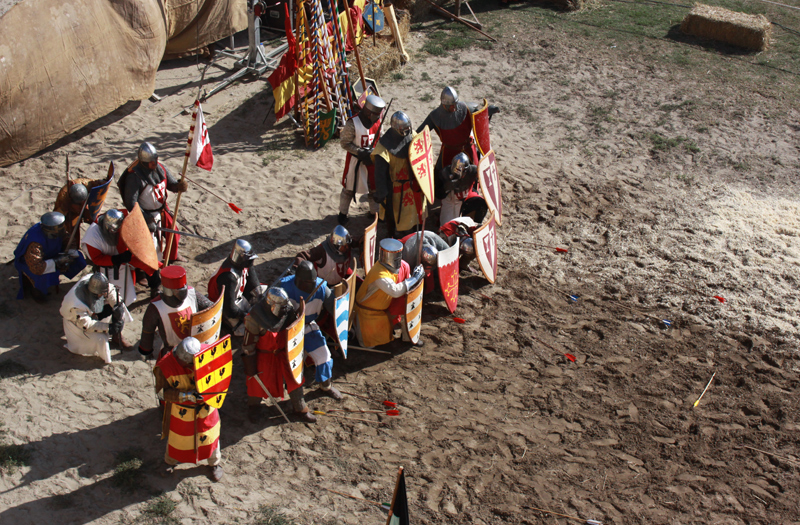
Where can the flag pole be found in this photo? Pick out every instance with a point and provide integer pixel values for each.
(394, 496)
(183, 175)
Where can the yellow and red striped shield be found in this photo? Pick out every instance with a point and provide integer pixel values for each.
(213, 368)
(207, 324)
(412, 319)
(294, 344)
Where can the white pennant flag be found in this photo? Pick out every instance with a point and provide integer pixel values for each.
(200, 155)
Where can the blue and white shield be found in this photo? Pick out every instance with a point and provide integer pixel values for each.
(342, 312)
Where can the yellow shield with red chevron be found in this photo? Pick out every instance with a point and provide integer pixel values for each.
(213, 366)
(207, 324)
(421, 159)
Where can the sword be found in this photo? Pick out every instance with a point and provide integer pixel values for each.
(274, 401)
(167, 230)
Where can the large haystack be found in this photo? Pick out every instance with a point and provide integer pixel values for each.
(736, 29)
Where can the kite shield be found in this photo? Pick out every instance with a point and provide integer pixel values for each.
(448, 275)
(351, 286)
(490, 185)
(213, 368)
(412, 319)
(370, 243)
(97, 195)
(480, 128)
(421, 159)
(294, 345)
(342, 314)
(485, 239)
(206, 325)
(137, 237)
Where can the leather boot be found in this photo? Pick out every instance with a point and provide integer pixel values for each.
(119, 341)
(307, 416)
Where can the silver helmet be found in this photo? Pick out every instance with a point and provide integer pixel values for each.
(457, 166)
(78, 193)
(147, 153)
(242, 255)
(340, 239)
(277, 299)
(97, 284)
(449, 98)
(401, 123)
(391, 254)
(429, 255)
(112, 221)
(467, 248)
(53, 224)
(375, 104)
(186, 350)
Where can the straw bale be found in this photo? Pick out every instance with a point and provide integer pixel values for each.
(383, 56)
(731, 27)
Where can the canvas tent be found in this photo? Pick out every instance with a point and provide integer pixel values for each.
(64, 64)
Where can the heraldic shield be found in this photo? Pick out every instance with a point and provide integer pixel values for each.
(421, 159)
(342, 314)
(213, 367)
(294, 345)
(485, 239)
(97, 195)
(448, 275)
(207, 324)
(137, 237)
(351, 285)
(370, 242)
(480, 128)
(489, 179)
(412, 319)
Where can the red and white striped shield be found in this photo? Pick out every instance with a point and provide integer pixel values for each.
(485, 239)
(448, 275)
(489, 180)
(412, 319)
(370, 242)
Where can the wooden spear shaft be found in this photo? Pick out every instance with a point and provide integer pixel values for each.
(355, 44)
(183, 174)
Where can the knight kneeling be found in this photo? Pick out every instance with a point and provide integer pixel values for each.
(265, 355)
(83, 309)
(380, 299)
(191, 425)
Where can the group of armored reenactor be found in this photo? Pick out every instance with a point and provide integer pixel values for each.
(132, 246)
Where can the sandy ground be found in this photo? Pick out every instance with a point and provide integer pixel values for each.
(494, 418)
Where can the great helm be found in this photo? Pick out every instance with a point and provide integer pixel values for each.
(147, 153)
(97, 284)
(429, 255)
(78, 193)
(112, 221)
(401, 123)
(391, 254)
(449, 98)
(277, 299)
(375, 104)
(173, 285)
(53, 224)
(457, 166)
(186, 350)
(340, 239)
(242, 255)
(467, 248)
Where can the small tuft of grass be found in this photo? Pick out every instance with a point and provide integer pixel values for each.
(440, 43)
(128, 470)
(425, 76)
(476, 80)
(398, 75)
(661, 143)
(524, 112)
(427, 97)
(10, 368)
(159, 511)
(12, 457)
(686, 105)
(270, 515)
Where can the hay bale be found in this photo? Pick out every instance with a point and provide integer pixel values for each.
(731, 27)
(383, 56)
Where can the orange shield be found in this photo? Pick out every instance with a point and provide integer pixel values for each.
(421, 160)
(294, 345)
(213, 368)
(138, 239)
(206, 325)
(412, 319)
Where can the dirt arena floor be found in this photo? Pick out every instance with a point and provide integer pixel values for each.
(668, 185)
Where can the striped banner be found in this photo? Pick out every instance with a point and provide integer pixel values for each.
(342, 312)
